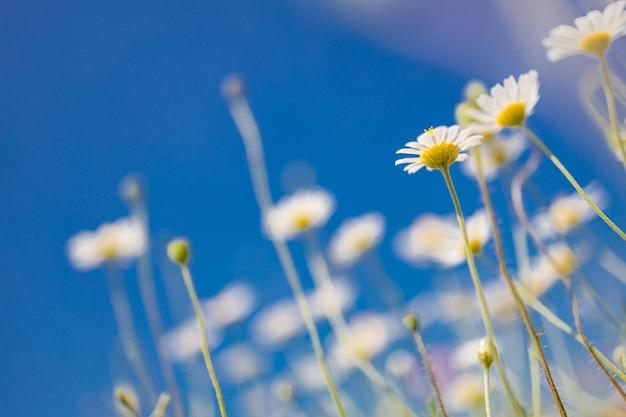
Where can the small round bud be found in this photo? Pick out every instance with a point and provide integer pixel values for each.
(485, 353)
(126, 400)
(410, 321)
(474, 89)
(233, 87)
(178, 251)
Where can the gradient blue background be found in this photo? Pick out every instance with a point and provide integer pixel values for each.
(91, 91)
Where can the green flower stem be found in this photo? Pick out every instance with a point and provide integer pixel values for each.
(533, 360)
(516, 195)
(203, 335)
(511, 285)
(610, 104)
(429, 369)
(486, 388)
(249, 131)
(149, 300)
(124, 320)
(482, 302)
(321, 276)
(574, 183)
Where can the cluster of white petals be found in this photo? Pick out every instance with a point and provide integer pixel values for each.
(356, 236)
(439, 239)
(302, 211)
(507, 104)
(592, 35)
(497, 152)
(120, 241)
(234, 303)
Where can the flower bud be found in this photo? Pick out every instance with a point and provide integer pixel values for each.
(410, 321)
(485, 353)
(178, 251)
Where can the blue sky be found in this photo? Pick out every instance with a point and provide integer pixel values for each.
(92, 91)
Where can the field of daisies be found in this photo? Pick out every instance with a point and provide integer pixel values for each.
(525, 317)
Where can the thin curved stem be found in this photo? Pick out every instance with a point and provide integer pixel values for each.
(482, 302)
(610, 104)
(572, 181)
(516, 194)
(511, 285)
(429, 369)
(204, 338)
(486, 388)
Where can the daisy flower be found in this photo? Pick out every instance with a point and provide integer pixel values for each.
(438, 148)
(119, 241)
(355, 237)
(548, 269)
(592, 35)
(300, 212)
(507, 104)
(496, 153)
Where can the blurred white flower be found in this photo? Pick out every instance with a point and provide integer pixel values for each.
(500, 301)
(240, 363)
(184, 342)
(507, 105)
(369, 334)
(439, 239)
(299, 212)
(465, 392)
(567, 212)
(277, 323)
(119, 241)
(331, 299)
(592, 35)
(355, 236)
(234, 303)
(400, 362)
(438, 148)
(464, 355)
(497, 152)
(543, 274)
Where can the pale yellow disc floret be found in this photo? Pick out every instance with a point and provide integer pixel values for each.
(301, 222)
(513, 114)
(596, 43)
(440, 156)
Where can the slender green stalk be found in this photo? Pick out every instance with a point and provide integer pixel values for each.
(486, 388)
(482, 302)
(427, 364)
(610, 104)
(572, 181)
(132, 192)
(533, 360)
(516, 194)
(161, 405)
(511, 285)
(203, 335)
(124, 320)
(232, 89)
(321, 276)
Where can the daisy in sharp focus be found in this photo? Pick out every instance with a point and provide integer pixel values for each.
(302, 211)
(119, 241)
(356, 236)
(592, 35)
(507, 104)
(438, 148)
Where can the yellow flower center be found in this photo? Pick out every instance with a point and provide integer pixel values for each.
(440, 156)
(596, 43)
(499, 155)
(564, 219)
(301, 222)
(362, 244)
(513, 114)
(475, 246)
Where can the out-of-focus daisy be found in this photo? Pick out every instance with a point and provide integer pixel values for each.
(369, 334)
(277, 323)
(240, 363)
(438, 148)
(184, 342)
(507, 104)
(400, 363)
(464, 355)
(592, 35)
(500, 302)
(309, 375)
(299, 212)
(331, 299)
(496, 153)
(119, 241)
(465, 392)
(234, 303)
(356, 236)
(544, 274)
(439, 239)
(569, 211)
